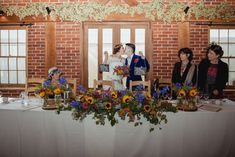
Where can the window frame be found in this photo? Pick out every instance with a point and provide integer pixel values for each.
(16, 85)
(218, 42)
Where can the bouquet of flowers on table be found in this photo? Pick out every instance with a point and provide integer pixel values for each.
(121, 70)
(119, 105)
(53, 94)
(186, 95)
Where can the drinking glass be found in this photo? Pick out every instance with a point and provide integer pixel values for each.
(169, 97)
(206, 97)
(24, 98)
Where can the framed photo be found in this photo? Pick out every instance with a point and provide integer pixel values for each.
(104, 68)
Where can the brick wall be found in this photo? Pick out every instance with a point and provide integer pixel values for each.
(68, 48)
(36, 50)
(165, 48)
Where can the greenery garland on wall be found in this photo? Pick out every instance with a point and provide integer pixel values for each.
(154, 10)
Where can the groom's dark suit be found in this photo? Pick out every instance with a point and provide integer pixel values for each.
(136, 61)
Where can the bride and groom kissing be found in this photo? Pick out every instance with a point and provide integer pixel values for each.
(136, 63)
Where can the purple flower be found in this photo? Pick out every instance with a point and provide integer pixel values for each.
(178, 85)
(62, 80)
(164, 90)
(47, 83)
(189, 83)
(123, 92)
(155, 95)
(82, 89)
(75, 104)
(140, 97)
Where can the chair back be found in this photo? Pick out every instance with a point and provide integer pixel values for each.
(32, 83)
(165, 83)
(73, 84)
(146, 84)
(109, 84)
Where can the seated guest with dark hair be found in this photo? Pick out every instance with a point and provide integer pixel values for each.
(185, 71)
(213, 73)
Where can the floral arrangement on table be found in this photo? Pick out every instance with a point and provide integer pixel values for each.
(186, 95)
(124, 104)
(121, 70)
(52, 94)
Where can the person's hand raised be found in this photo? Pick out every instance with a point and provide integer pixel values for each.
(106, 56)
(141, 54)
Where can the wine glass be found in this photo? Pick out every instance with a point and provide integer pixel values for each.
(206, 97)
(169, 96)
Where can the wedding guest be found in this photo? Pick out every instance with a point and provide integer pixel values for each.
(185, 71)
(213, 72)
(55, 77)
(55, 82)
(133, 61)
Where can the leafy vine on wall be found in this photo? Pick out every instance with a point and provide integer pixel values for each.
(155, 10)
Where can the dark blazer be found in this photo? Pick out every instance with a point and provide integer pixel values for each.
(221, 77)
(141, 62)
(176, 76)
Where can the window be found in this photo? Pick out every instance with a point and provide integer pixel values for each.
(102, 37)
(226, 39)
(12, 56)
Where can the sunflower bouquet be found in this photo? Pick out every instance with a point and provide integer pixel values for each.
(52, 93)
(121, 70)
(186, 95)
(118, 105)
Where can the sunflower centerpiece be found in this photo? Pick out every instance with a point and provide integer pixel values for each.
(52, 90)
(186, 95)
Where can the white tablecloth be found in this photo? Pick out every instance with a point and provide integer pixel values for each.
(38, 133)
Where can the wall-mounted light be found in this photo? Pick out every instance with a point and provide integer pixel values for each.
(48, 10)
(186, 9)
(1, 12)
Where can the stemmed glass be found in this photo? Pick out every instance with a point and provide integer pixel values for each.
(206, 97)
(169, 96)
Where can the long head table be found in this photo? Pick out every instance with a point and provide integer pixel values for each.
(32, 132)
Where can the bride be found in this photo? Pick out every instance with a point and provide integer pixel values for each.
(115, 60)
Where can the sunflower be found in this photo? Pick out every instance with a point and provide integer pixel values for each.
(89, 99)
(108, 106)
(42, 94)
(182, 93)
(193, 92)
(57, 90)
(119, 72)
(126, 99)
(147, 108)
(114, 94)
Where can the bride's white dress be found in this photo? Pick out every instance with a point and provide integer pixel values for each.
(113, 62)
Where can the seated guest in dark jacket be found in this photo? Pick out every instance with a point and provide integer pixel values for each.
(185, 71)
(213, 73)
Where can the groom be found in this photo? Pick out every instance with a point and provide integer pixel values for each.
(133, 61)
